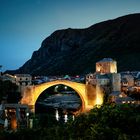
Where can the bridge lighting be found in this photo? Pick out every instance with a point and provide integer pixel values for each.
(56, 115)
(27, 115)
(77, 76)
(56, 88)
(99, 96)
(73, 118)
(15, 76)
(6, 112)
(65, 118)
(32, 93)
(65, 87)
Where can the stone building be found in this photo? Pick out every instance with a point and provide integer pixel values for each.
(23, 79)
(106, 75)
(116, 82)
(127, 79)
(8, 77)
(137, 82)
(106, 65)
(103, 79)
(91, 79)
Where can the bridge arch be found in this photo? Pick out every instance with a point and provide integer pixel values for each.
(32, 93)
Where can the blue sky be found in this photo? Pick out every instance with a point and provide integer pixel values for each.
(24, 24)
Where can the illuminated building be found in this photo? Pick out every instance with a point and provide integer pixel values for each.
(106, 65)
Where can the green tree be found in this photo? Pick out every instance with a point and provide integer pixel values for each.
(8, 91)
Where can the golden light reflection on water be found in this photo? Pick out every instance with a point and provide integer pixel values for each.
(13, 123)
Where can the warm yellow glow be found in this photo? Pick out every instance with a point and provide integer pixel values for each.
(99, 96)
(133, 102)
(113, 68)
(123, 102)
(98, 68)
(13, 123)
(57, 115)
(32, 93)
(120, 96)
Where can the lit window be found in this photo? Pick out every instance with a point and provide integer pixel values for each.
(120, 95)
(133, 102)
(123, 102)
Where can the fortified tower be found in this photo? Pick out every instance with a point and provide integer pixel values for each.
(105, 80)
(106, 65)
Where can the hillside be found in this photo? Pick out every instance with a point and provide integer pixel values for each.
(75, 51)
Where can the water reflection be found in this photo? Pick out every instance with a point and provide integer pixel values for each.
(57, 115)
(63, 106)
(65, 118)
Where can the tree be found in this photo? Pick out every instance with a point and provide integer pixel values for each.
(8, 91)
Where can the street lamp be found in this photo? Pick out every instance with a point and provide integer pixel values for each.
(27, 115)
(56, 89)
(66, 87)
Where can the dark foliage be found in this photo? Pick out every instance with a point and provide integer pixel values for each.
(8, 92)
(107, 122)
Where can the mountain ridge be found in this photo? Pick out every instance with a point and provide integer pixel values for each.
(75, 51)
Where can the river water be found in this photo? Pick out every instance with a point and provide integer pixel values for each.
(61, 106)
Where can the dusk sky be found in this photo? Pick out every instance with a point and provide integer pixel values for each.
(24, 24)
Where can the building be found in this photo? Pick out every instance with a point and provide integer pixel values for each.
(107, 75)
(8, 77)
(127, 79)
(23, 79)
(103, 79)
(106, 65)
(116, 82)
(137, 82)
(91, 79)
(16, 115)
(106, 78)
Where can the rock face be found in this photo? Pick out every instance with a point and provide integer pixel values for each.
(75, 51)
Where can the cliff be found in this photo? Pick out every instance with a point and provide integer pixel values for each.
(75, 51)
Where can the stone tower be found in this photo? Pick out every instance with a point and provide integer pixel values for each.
(106, 66)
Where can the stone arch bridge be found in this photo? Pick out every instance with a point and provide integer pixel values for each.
(87, 93)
